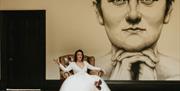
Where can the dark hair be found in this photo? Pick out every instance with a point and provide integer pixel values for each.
(168, 5)
(75, 55)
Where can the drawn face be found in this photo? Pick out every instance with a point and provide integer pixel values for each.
(133, 24)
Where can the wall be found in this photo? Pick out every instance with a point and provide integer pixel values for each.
(72, 24)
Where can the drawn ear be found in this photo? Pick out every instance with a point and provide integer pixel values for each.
(98, 12)
(168, 15)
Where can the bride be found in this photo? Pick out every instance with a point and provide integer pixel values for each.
(81, 80)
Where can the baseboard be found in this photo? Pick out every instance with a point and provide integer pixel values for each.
(23, 89)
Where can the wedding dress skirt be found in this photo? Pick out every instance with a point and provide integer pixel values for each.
(83, 82)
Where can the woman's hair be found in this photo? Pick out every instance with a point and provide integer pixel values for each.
(168, 5)
(75, 55)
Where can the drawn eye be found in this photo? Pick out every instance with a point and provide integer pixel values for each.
(147, 2)
(119, 2)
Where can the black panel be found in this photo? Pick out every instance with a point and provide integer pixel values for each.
(54, 85)
(24, 48)
(144, 85)
(2, 81)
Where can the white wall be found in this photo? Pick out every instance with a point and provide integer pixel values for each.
(72, 24)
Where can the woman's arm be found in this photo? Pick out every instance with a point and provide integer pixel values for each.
(65, 69)
(89, 66)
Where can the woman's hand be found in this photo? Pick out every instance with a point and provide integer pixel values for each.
(66, 75)
(101, 72)
(104, 72)
(56, 61)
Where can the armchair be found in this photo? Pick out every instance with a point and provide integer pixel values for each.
(65, 59)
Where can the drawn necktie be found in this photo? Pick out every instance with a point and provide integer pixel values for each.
(135, 70)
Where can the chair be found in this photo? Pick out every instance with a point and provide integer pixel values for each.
(65, 59)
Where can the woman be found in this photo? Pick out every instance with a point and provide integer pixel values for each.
(81, 81)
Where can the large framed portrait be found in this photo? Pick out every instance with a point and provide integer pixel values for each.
(142, 38)
(114, 31)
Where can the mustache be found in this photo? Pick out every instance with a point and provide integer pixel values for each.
(134, 29)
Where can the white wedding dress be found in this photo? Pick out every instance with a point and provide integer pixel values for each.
(81, 81)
